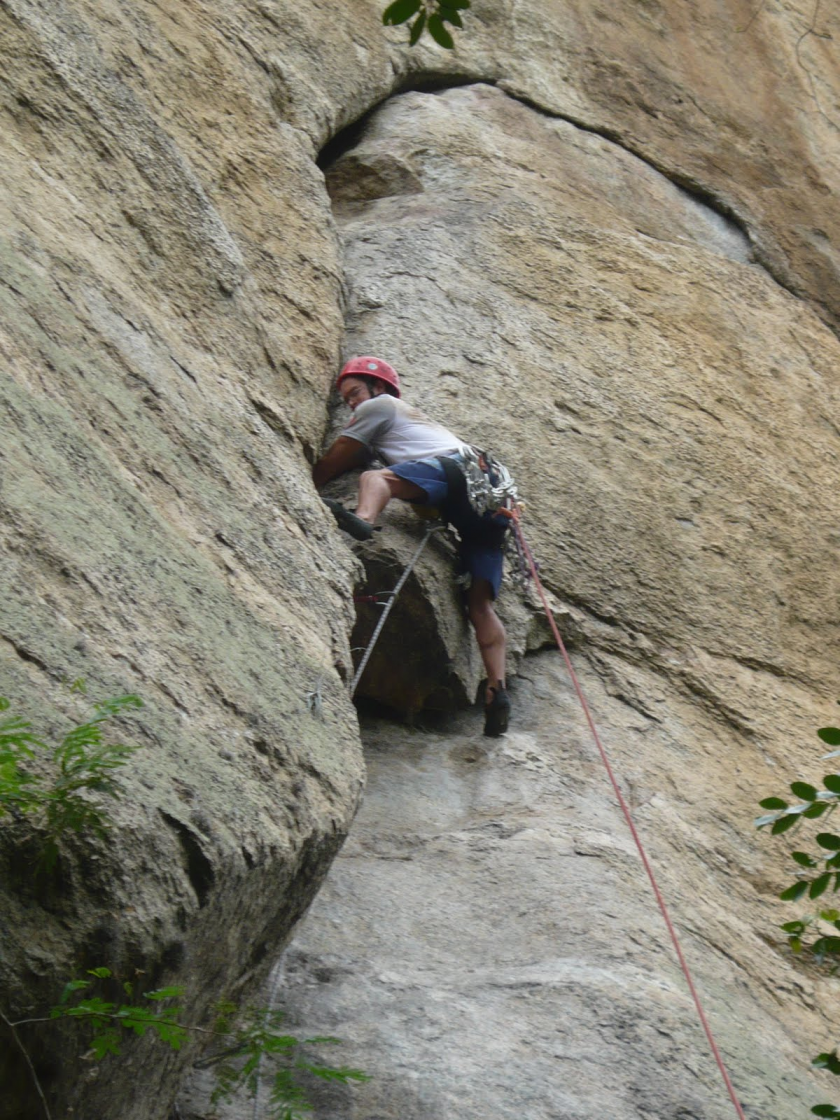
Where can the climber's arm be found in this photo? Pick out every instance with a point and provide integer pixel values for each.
(345, 454)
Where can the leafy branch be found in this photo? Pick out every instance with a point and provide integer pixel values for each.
(81, 765)
(817, 934)
(108, 1020)
(259, 1035)
(427, 15)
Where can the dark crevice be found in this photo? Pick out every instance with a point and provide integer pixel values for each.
(27, 655)
(759, 666)
(345, 140)
(428, 82)
(198, 867)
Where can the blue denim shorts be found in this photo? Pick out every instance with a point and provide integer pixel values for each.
(480, 548)
(428, 475)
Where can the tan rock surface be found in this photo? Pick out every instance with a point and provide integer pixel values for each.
(603, 333)
(160, 398)
(738, 103)
(172, 316)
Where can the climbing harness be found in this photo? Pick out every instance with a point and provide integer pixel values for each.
(627, 816)
(391, 597)
(479, 484)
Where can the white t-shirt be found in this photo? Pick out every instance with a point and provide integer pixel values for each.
(396, 432)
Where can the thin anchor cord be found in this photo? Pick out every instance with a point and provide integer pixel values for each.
(393, 598)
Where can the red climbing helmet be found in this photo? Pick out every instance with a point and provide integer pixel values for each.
(372, 367)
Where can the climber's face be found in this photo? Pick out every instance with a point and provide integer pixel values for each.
(354, 390)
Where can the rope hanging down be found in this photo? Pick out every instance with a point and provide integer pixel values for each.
(392, 598)
(628, 817)
(522, 545)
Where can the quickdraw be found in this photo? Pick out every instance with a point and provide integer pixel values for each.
(490, 485)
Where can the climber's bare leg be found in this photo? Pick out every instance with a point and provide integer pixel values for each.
(489, 633)
(377, 488)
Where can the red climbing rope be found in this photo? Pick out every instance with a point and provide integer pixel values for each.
(627, 815)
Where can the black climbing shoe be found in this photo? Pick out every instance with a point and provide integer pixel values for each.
(349, 522)
(497, 713)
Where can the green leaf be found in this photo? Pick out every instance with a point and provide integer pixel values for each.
(829, 840)
(783, 824)
(101, 973)
(830, 735)
(417, 29)
(333, 1073)
(826, 1110)
(793, 927)
(826, 945)
(70, 987)
(173, 1034)
(439, 33)
(815, 810)
(803, 859)
(164, 993)
(400, 11)
(820, 885)
(768, 818)
(462, 4)
(134, 1023)
(828, 1061)
(830, 915)
(114, 705)
(773, 803)
(832, 782)
(449, 15)
(792, 893)
(105, 1043)
(803, 790)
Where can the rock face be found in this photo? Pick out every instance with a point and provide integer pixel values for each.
(607, 253)
(487, 940)
(160, 533)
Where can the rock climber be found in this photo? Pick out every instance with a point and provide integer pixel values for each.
(422, 466)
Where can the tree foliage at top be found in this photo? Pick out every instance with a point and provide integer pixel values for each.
(427, 15)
